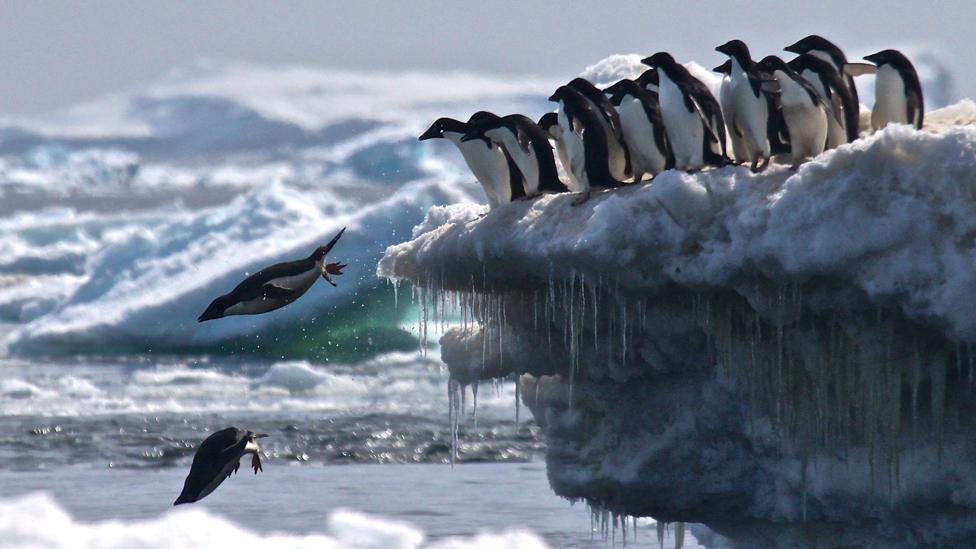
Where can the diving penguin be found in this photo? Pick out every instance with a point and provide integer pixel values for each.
(897, 91)
(218, 456)
(529, 147)
(803, 111)
(275, 286)
(692, 117)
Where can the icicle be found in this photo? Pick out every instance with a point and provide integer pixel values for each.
(474, 403)
(679, 535)
(660, 533)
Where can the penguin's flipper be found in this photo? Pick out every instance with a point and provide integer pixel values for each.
(523, 140)
(858, 69)
(914, 106)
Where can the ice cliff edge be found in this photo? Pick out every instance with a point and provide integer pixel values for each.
(785, 357)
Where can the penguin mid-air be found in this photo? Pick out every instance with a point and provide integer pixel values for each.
(529, 147)
(491, 166)
(618, 154)
(218, 456)
(843, 122)
(550, 124)
(692, 116)
(822, 48)
(586, 141)
(275, 286)
(747, 110)
(897, 91)
(640, 118)
(803, 110)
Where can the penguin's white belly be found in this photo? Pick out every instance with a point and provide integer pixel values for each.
(526, 163)
(836, 132)
(645, 156)
(890, 103)
(725, 101)
(750, 114)
(575, 159)
(616, 157)
(807, 121)
(488, 165)
(571, 181)
(684, 127)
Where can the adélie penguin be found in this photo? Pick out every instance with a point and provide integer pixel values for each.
(843, 122)
(897, 91)
(586, 142)
(550, 124)
(822, 48)
(529, 147)
(803, 111)
(640, 118)
(692, 116)
(747, 110)
(491, 166)
(779, 139)
(618, 156)
(275, 286)
(218, 456)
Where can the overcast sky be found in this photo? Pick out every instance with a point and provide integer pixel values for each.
(55, 54)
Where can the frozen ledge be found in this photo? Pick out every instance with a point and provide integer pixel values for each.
(784, 357)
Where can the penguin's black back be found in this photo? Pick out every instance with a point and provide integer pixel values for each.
(215, 452)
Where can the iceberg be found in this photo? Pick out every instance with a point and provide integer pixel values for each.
(784, 357)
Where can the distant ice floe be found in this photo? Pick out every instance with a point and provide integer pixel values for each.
(37, 520)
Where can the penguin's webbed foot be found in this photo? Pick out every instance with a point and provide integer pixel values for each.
(529, 196)
(582, 198)
(256, 463)
(332, 269)
(796, 166)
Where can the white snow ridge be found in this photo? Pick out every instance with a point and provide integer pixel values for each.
(785, 357)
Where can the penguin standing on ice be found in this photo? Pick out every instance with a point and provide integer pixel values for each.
(550, 124)
(747, 111)
(529, 147)
(640, 118)
(779, 139)
(618, 154)
(692, 117)
(649, 80)
(897, 91)
(822, 48)
(275, 286)
(586, 141)
(219, 455)
(843, 122)
(804, 112)
(491, 166)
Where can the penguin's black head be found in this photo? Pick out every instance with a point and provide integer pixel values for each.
(659, 59)
(216, 309)
(735, 48)
(772, 63)
(888, 57)
(813, 43)
(724, 68)
(477, 131)
(560, 92)
(482, 116)
(648, 78)
(621, 89)
(442, 125)
(548, 120)
(583, 85)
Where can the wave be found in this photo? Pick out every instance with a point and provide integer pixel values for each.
(37, 520)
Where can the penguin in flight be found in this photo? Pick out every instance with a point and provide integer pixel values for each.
(692, 116)
(897, 91)
(529, 147)
(550, 124)
(618, 154)
(819, 46)
(586, 142)
(803, 110)
(746, 108)
(491, 166)
(640, 118)
(843, 122)
(218, 456)
(275, 286)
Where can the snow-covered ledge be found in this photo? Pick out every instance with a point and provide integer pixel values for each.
(785, 357)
